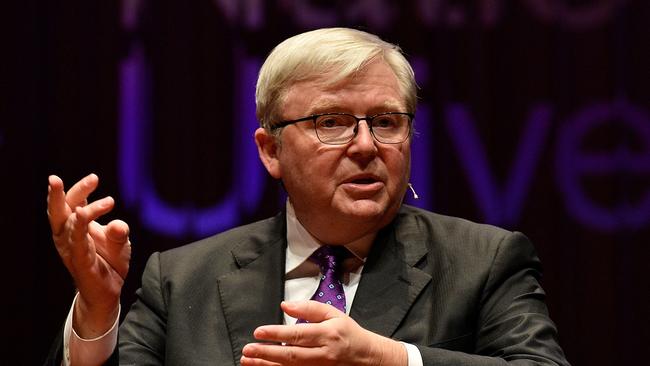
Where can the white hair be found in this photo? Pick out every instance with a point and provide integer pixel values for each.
(341, 51)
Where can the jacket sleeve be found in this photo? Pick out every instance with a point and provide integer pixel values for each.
(55, 355)
(142, 333)
(513, 326)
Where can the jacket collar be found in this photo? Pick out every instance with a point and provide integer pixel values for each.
(390, 281)
(251, 295)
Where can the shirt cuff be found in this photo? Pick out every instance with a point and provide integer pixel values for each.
(413, 354)
(95, 351)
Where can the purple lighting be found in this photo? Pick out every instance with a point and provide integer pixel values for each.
(422, 146)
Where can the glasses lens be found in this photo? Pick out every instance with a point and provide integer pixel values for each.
(335, 128)
(391, 128)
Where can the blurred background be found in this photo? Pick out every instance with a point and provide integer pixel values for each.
(534, 115)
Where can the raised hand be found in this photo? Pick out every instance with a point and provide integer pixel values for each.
(330, 338)
(97, 256)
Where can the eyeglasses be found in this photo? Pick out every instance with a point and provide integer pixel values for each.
(341, 128)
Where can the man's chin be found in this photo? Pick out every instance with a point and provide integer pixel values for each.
(366, 209)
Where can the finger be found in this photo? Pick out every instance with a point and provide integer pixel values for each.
(117, 251)
(96, 209)
(284, 355)
(312, 311)
(248, 361)
(82, 219)
(307, 335)
(57, 210)
(78, 194)
(79, 234)
(117, 232)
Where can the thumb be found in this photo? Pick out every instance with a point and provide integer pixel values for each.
(310, 310)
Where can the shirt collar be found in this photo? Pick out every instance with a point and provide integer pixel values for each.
(301, 244)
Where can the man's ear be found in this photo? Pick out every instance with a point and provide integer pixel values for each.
(268, 149)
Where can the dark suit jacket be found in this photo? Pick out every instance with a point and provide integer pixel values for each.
(463, 293)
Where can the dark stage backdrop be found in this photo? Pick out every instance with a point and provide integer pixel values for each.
(534, 115)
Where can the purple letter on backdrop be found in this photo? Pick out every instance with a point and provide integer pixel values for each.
(499, 206)
(136, 182)
(574, 164)
(575, 17)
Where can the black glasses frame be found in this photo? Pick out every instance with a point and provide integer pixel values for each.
(368, 120)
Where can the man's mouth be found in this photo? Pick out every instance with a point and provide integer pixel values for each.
(363, 186)
(364, 181)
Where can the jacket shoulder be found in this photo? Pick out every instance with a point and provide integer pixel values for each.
(214, 253)
(458, 240)
(447, 230)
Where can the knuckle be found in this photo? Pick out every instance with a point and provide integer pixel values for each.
(291, 355)
(330, 355)
(335, 338)
(336, 332)
(296, 335)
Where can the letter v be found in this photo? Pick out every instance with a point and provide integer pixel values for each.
(498, 206)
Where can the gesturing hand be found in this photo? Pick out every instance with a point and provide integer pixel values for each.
(330, 338)
(97, 256)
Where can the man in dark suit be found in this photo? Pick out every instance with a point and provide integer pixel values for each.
(410, 288)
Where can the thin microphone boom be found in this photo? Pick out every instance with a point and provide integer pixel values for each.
(415, 195)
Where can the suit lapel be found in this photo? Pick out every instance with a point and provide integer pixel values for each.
(251, 295)
(390, 283)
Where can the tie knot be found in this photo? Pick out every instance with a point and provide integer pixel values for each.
(329, 257)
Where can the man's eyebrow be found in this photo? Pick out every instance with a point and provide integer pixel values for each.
(327, 105)
(394, 105)
(323, 106)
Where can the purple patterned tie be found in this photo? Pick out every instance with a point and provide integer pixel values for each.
(330, 288)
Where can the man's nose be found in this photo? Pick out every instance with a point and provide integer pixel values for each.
(363, 142)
